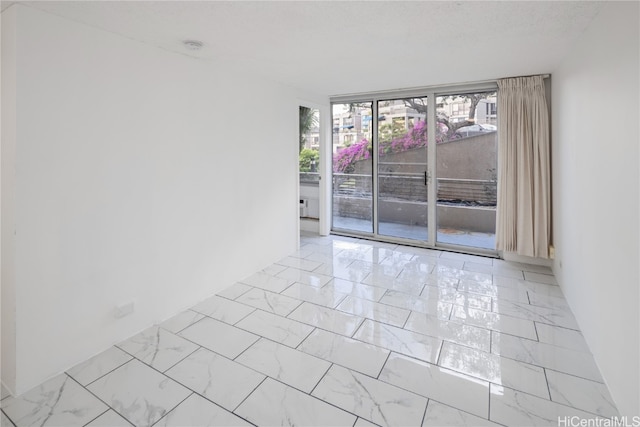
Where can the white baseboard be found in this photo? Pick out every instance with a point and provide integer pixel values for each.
(512, 256)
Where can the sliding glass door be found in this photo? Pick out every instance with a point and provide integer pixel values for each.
(419, 169)
(402, 168)
(466, 169)
(353, 167)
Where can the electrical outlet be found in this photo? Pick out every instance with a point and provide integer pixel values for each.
(123, 310)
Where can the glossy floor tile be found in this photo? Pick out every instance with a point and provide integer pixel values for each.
(305, 277)
(94, 368)
(276, 404)
(372, 310)
(400, 340)
(344, 332)
(215, 377)
(444, 385)
(498, 370)
(58, 401)
(139, 393)
(181, 321)
(438, 415)
(222, 309)
(158, 348)
(471, 336)
(353, 354)
(109, 419)
(276, 328)
(359, 290)
(219, 337)
(371, 399)
(292, 367)
(578, 363)
(198, 411)
(320, 296)
(326, 318)
(590, 396)
(269, 301)
(515, 408)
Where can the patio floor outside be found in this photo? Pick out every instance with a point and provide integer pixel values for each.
(445, 235)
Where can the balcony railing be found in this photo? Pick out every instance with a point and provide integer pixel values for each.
(410, 187)
(309, 177)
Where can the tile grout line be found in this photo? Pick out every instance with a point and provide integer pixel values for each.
(163, 372)
(546, 379)
(172, 409)
(97, 397)
(426, 408)
(10, 420)
(233, 411)
(112, 370)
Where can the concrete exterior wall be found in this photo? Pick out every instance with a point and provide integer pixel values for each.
(469, 158)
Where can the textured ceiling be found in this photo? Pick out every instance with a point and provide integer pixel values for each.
(345, 47)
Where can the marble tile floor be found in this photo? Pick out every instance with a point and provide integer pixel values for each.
(344, 332)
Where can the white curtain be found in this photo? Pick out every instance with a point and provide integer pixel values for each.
(523, 223)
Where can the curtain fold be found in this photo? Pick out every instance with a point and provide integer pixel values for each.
(523, 221)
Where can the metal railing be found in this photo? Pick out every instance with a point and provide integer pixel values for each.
(480, 191)
(309, 177)
(410, 187)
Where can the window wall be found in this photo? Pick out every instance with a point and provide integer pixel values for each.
(418, 168)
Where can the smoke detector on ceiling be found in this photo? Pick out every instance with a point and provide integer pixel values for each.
(193, 44)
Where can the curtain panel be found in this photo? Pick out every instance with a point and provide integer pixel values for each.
(523, 221)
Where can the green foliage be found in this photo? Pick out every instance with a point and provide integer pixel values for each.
(307, 156)
(389, 132)
(308, 120)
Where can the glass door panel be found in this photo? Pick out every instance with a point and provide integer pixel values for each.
(352, 167)
(402, 168)
(466, 169)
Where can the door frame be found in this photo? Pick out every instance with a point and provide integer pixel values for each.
(324, 187)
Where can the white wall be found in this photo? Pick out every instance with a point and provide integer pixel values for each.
(135, 181)
(595, 194)
(311, 193)
(7, 201)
